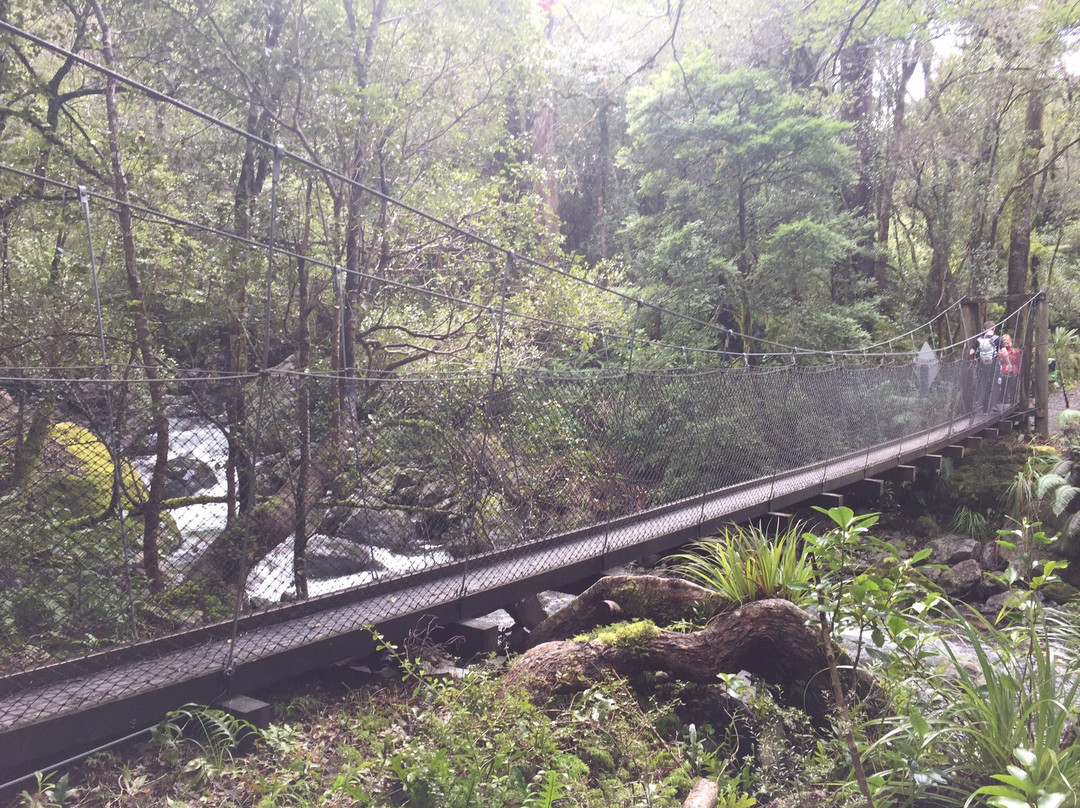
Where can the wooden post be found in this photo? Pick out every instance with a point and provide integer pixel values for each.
(1041, 376)
(970, 324)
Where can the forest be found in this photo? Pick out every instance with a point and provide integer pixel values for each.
(299, 291)
(815, 176)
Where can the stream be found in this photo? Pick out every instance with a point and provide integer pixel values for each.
(271, 579)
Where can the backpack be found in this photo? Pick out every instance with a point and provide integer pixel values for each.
(985, 350)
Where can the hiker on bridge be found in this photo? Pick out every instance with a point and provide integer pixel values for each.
(986, 353)
(1010, 360)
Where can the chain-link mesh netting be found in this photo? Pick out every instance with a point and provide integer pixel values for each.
(412, 474)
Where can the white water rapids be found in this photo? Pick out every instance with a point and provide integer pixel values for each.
(272, 577)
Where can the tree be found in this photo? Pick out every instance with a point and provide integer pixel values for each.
(730, 166)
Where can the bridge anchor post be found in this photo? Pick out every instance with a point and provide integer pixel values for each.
(255, 712)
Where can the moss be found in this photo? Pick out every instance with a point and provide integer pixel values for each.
(194, 596)
(980, 482)
(1060, 592)
(626, 636)
(598, 759)
(83, 480)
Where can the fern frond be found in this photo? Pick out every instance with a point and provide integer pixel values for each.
(1063, 497)
(1048, 483)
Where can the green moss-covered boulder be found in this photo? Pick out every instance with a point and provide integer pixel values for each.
(77, 472)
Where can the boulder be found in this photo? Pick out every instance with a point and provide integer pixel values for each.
(187, 475)
(390, 529)
(332, 558)
(952, 549)
(990, 586)
(1060, 592)
(925, 527)
(961, 580)
(992, 558)
(994, 603)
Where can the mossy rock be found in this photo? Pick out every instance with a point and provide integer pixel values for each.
(78, 473)
(1060, 592)
(925, 527)
(76, 476)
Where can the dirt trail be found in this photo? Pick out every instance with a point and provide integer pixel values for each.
(1057, 404)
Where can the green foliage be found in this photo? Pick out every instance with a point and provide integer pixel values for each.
(212, 733)
(1022, 496)
(970, 523)
(984, 484)
(1065, 348)
(1022, 696)
(748, 563)
(545, 792)
(52, 791)
(731, 167)
(1035, 782)
(1059, 485)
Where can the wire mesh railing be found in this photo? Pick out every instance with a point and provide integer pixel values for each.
(429, 472)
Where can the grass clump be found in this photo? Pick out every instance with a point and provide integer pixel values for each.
(748, 563)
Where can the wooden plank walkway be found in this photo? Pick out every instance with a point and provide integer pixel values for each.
(53, 713)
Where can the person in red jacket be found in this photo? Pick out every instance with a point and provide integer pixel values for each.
(1009, 360)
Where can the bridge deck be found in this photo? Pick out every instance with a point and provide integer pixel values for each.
(52, 712)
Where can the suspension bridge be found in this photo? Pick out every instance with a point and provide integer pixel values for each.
(381, 445)
(726, 446)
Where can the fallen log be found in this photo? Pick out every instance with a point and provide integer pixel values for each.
(767, 638)
(629, 597)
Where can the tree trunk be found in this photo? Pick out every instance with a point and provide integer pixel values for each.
(363, 55)
(885, 204)
(303, 409)
(1023, 202)
(857, 108)
(152, 509)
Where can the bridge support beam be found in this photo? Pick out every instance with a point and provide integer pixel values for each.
(990, 433)
(954, 452)
(930, 462)
(864, 491)
(1041, 375)
(973, 442)
(826, 499)
(527, 612)
(900, 474)
(779, 518)
(471, 637)
(255, 712)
